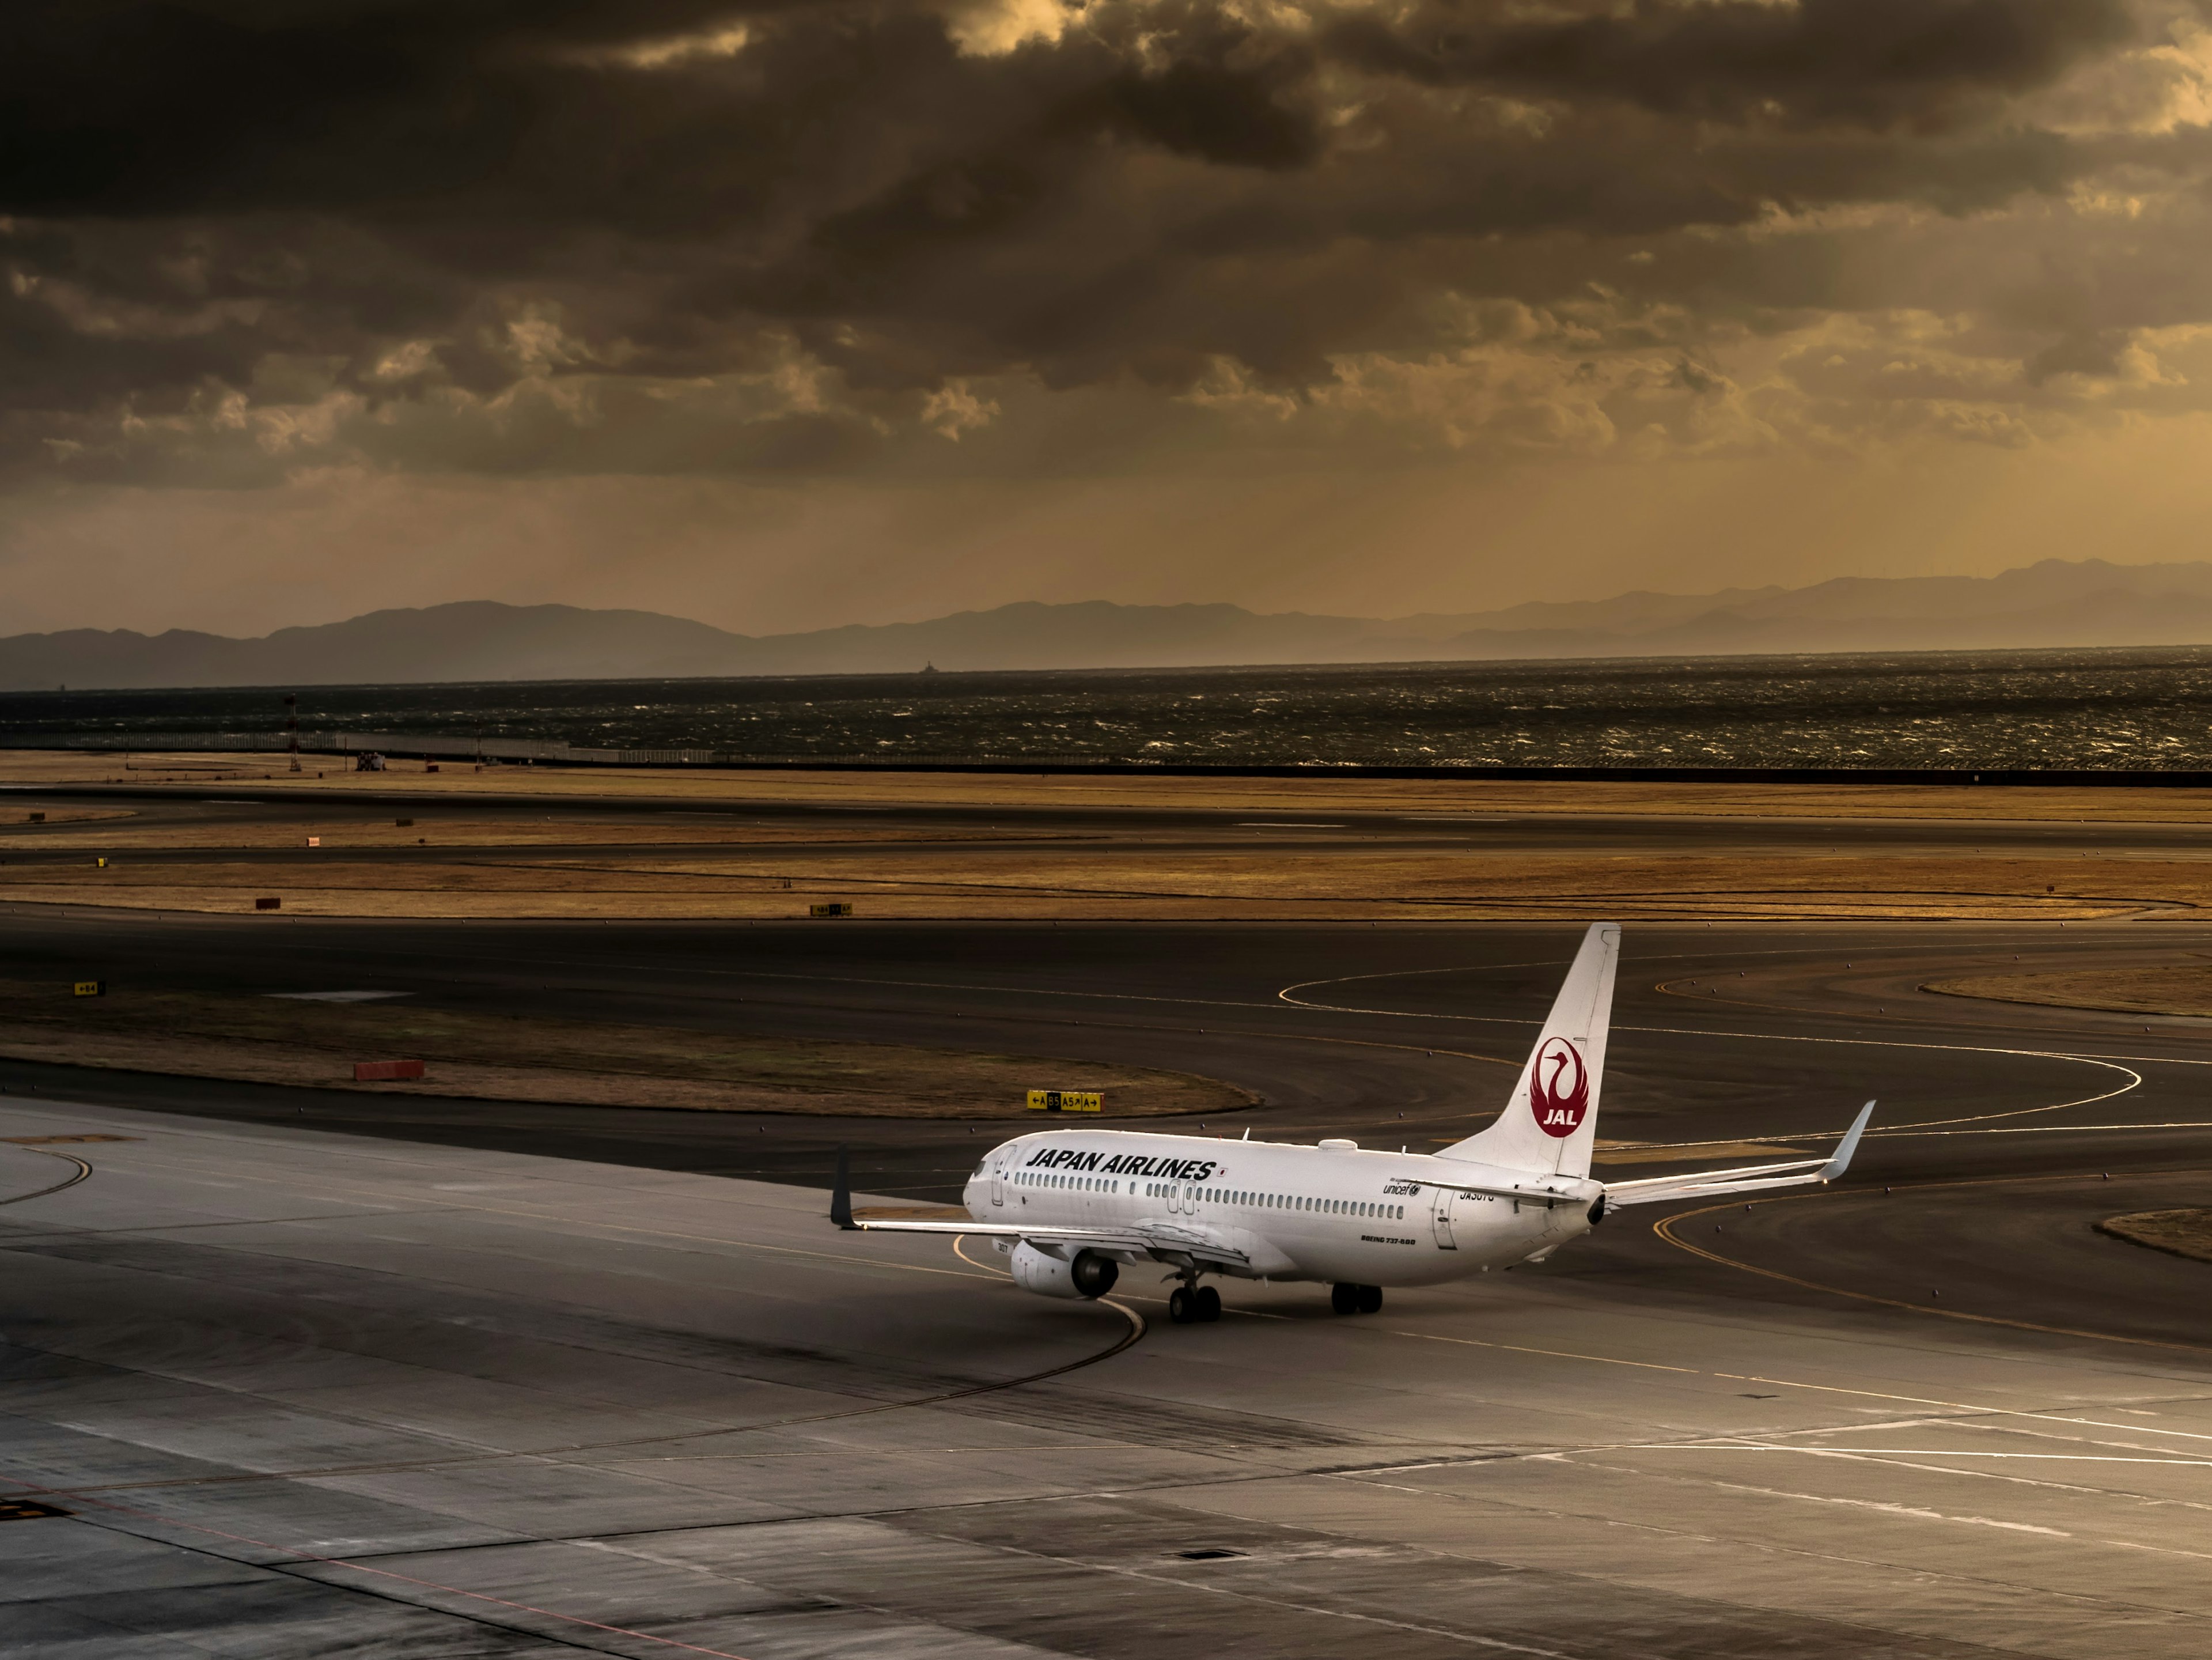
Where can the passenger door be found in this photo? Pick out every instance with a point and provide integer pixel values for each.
(998, 1181)
(1445, 1196)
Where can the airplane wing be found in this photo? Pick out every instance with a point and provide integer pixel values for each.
(1128, 1238)
(1162, 1242)
(1163, 1239)
(1744, 1178)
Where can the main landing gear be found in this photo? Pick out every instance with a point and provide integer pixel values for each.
(1193, 1306)
(1355, 1299)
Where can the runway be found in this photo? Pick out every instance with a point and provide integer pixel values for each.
(315, 1372)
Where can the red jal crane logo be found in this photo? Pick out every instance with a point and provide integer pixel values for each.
(1559, 1088)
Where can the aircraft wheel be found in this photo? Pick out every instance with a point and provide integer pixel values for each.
(1183, 1307)
(1370, 1299)
(1209, 1303)
(1344, 1299)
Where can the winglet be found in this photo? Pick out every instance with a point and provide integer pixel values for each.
(841, 1195)
(1841, 1160)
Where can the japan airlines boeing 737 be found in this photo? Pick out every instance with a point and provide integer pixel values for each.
(1070, 1207)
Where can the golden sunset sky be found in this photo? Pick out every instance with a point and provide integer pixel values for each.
(783, 315)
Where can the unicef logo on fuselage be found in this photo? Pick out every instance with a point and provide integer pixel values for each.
(1559, 1088)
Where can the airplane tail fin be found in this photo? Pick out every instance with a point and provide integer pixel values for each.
(1550, 1122)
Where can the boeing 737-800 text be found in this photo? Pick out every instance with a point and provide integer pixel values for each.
(1070, 1207)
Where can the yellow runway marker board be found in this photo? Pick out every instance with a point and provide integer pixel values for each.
(1066, 1101)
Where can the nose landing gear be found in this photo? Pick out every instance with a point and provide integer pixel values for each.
(1355, 1299)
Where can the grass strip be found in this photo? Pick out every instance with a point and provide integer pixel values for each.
(503, 1057)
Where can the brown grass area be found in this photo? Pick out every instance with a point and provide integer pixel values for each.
(342, 836)
(1469, 793)
(59, 816)
(1509, 884)
(281, 1041)
(2178, 1232)
(2178, 989)
(1048, 883)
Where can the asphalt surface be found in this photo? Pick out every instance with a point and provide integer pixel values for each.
(271, 1390)
(283, 1353)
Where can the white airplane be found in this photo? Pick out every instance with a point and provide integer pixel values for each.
(1070, 1207)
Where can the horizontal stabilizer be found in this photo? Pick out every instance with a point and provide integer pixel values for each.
(1744, 1178)
(1534, 1193)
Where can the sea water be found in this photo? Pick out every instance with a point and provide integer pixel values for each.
(2123, 709)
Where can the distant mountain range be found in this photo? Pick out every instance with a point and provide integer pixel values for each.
(2056, 603)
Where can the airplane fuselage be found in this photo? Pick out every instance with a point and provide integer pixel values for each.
(1333, 1213)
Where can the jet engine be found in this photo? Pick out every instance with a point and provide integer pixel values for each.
(1089, 1275)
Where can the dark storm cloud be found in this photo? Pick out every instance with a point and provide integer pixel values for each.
(417, 217)
(1858, 61)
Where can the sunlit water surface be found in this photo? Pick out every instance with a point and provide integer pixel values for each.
(2120, 709)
